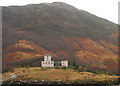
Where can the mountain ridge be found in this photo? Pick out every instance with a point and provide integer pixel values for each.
(56, 3)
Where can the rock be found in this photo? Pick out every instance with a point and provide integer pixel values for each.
(13, 76)
(43, 80)
(59, 80)
(36, 80)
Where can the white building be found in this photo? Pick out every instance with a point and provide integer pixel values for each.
(64, 63)
(47, 61)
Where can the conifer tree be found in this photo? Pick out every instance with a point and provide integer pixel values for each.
(74, 62)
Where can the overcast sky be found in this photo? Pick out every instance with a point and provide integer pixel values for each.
(107, 9)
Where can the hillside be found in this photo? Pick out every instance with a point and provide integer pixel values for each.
(61, 30)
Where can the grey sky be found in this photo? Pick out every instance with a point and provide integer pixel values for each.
(107, 9)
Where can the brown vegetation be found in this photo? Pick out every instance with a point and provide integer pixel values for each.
(67, 33)
(61, 75)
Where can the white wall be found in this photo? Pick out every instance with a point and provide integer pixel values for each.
(47, 58)
(47, 63)
(64, 63)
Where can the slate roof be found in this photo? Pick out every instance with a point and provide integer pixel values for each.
(47, 55)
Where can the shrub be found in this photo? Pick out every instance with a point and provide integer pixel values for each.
(43, 69)
(76, 67)
(81, 69)
(64, 68)
(72, 68)
(56, 67)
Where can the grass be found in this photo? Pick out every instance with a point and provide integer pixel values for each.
(64, 74)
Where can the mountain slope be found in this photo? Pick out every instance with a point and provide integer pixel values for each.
(65, 31)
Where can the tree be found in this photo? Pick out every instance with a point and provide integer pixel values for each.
(74, 62)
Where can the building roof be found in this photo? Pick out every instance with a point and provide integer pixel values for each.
(47, 55)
